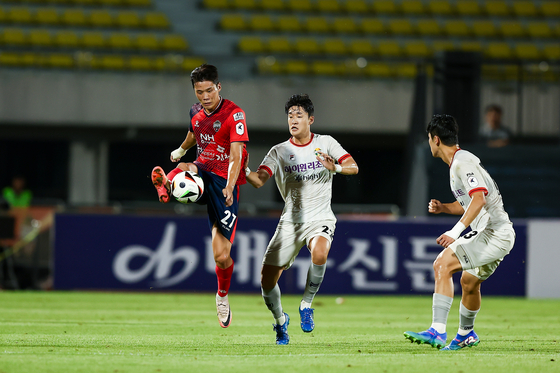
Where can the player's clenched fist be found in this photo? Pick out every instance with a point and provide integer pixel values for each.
(435, 206)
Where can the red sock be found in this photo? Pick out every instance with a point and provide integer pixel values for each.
(173, 173)
(224, 279)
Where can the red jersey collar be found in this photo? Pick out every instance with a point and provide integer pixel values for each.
(311, 139)
(216, 109)
(450, 163)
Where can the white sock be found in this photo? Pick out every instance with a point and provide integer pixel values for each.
(281, 320)
(439, 327)
(304, 305)
(463, 332)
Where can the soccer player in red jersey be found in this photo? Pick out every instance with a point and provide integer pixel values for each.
(219, 131)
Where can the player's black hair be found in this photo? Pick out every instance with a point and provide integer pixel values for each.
(302, 101)
(445, 127)
(204, 73)
(493, 107)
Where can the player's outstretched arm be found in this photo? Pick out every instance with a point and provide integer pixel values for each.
(188, 143)
(256, 179)
(478, 200)
(436, 207)
(347, 167)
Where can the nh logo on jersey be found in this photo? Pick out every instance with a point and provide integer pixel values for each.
(206, 138)
(217, 125)
(240, 128)
(238, 116)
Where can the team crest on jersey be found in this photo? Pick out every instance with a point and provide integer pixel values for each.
(238, 116)
(472, 181)
(217, 125)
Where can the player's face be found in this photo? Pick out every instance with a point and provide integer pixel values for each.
(208, 94)
(299, 122)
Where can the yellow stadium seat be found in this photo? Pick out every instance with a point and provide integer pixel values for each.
(401, 27)
(307, 46)
(251, 44)
(351, 67)
(497, 8)
(40, 38)
(268, 65)
(47, 16)
(9, 59)
(94, 40)
(378, 70)
(372, 26)
(524, 8)
(128, 19)
(138, 3)
(101, 18)
(289, 24)
(300, 5)
(174, 42)
(389, 48)
(156, 20)
(273, 5)
(60, 60)
(385, 7)
(328, 6)
(233, 22)
(148, 42)
(84, 3)
(119, 40)
(244, 4)
(440, 7)
(261, 22)
(498, 50)
(216, 4)
(317, 24)
(3, 15)
(361, 47)
(74, 18)
(191, 63)
(539, 30)
(280, 45)
(344, 25)
(19, 15)
(356, 6)
(414, 7)
(335, 46)
(557, 30)
(526, 51)
(468, 8)
(14, 37)
(140, 63)
(484, 28)
(512, 29)
(550, 9)
(325, 68)
(297, 67)
(111, 3)
(457, 28)
(416, 49)
(406, 70)
(552, 51)
(442, 45)
(428, 27)
(471, 46)
(66, 39)
(112, 62)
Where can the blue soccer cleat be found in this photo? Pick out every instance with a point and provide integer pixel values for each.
(307, 323)
(461, 341)
(430, 337)
(282, 337)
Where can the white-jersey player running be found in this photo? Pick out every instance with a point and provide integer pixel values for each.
(479, 252)
(303, 168)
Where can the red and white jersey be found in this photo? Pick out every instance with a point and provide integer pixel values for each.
(303, 182)
(467, 176)
(214, 134)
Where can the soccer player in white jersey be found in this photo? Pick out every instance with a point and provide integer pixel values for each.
(303, 168)
(479, 252)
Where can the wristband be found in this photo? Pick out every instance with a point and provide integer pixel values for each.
(247, 171)
(178, 153)
(456, 231)
(337, 168)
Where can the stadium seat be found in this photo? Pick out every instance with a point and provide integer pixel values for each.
(416, 49)
(317, 25)
(385, 7)
(440, 7)
(9, 59)
(498, 50)
(60, 60)
(552, 52)
(468, 8)
(47, 17)
(268, 65)
(524, 8)
(139, 63)
(280, 45)
(261, 23)
(101, 18)
(484, 28)
(3, 16)
(378, 70)
(471, 46)
(442, 45)
(401, 27)
(244, 4)
(406, 70)
(539, 30)
(512, 29)
(119, 40)
(344, 25)
(300, 5)
(457, 28)
(307, 46)
(526, 51)
(147, 42)
(85, 3)
(326, 68)
(233, 22)
(66, 39)
(156, 20)
(350, 67)
(74, 18)
(14, 37)
(128, 19)
(289, 24)
(138, 3)
(361, 47)
(40, 38)
(298, 67)
(93, 40)
(372, 26)
(428, 27)
(550, 9)
(335, 46)
(273, 5)
(174, 42)
(251, 44)
(497, 8)
(19, 15)
(414, 7)
(389, 48)
(216, 4)
(356, 6)
(111, 62)
(328, 6)
(111, 3)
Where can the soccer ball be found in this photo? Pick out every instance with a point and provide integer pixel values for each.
(187, 187)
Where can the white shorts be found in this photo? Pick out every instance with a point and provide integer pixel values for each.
(289, 238)
(480, 252)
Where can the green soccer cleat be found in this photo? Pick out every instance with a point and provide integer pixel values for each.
(430, 337)
(461, 341)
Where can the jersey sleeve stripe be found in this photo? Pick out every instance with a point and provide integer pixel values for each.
(345, 156)
(268, 170)
(478, 190)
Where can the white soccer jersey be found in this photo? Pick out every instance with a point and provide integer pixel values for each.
(467, 176)
(303, 182)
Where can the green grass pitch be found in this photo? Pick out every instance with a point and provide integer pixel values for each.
(163, 332)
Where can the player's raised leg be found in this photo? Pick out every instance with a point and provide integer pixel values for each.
(221, 247)
(272, 298)
(161, 183)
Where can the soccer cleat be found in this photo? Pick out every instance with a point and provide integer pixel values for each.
(224, 312)
(306, 315)
(159, 179)
(282, 337)
(461, 341)
(430, 336)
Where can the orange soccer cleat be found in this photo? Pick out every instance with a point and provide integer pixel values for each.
(160, 182)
